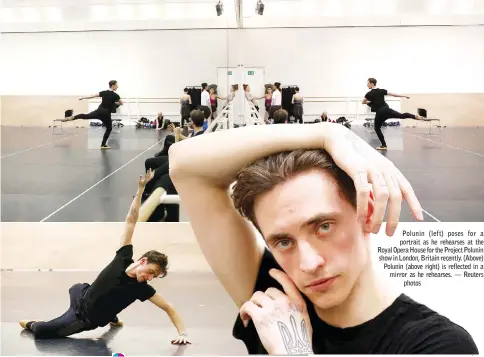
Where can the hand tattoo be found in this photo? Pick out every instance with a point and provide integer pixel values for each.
(298, 342)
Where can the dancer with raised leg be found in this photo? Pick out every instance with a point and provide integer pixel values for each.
(110, 101)
(375, 99)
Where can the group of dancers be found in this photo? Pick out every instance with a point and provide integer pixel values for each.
(375, 99)
(290, 300)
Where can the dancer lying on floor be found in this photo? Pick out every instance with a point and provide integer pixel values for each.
(120, 284)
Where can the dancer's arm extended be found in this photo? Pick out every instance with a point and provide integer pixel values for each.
(397, 95)
(133, 213)
(227, 240)
(90, 97)
(159, 301)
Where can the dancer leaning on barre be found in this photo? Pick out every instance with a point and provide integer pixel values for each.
(251, 98)
(122, 282)
(110, 101)
(298, 106)
(186, 104)
(214, 102)
(267, 103)
(151, 210)
(375, 99)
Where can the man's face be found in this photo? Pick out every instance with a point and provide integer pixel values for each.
(147, 271)
(314, 235)
(369, 85)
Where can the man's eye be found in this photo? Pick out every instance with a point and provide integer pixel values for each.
(324, 228)
(283, 244)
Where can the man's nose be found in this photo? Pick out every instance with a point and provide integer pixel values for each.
(310, 259)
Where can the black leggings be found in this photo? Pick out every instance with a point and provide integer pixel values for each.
(172, 210)
(169, 140)
(67, 324)
(184, 118)
(161, 178)
(155, 162)
(384, 114)
(104, 116)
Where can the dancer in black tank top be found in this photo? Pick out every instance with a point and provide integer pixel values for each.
(110, 101)
(375, 99)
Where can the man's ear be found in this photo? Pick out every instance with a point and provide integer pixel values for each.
(371, 208)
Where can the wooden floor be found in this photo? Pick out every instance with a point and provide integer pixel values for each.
(147, 331)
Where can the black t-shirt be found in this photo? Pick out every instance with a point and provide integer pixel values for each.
(113, 290)
(192, 134)
(405, 327)
(109, 97)
(377, 98)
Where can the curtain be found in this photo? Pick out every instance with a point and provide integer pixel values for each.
(287, 94)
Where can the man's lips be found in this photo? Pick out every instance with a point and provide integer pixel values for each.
(321, 284)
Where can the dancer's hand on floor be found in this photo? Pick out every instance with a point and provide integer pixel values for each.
(280, 318)
(367, 166)
(181, 340)
(143, 181)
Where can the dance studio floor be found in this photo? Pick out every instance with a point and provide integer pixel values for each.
(91, 185)
(71, 180)
(207, 311)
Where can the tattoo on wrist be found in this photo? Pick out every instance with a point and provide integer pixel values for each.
(297, 341)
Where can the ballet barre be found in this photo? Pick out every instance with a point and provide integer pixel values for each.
(158, 197)
(170, 199)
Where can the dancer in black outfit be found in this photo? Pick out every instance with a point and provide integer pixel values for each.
(121, 283)
(375, 99)
(110, 101)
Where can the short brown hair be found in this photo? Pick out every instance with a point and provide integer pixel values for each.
(197, 117)
(159, 259)
(372, 81)
(280, 116)
(264, 174)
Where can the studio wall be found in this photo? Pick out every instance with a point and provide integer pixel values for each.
(324, 62)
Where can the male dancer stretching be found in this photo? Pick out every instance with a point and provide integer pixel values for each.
(121, 283)
(375, 99)
(110, 101)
